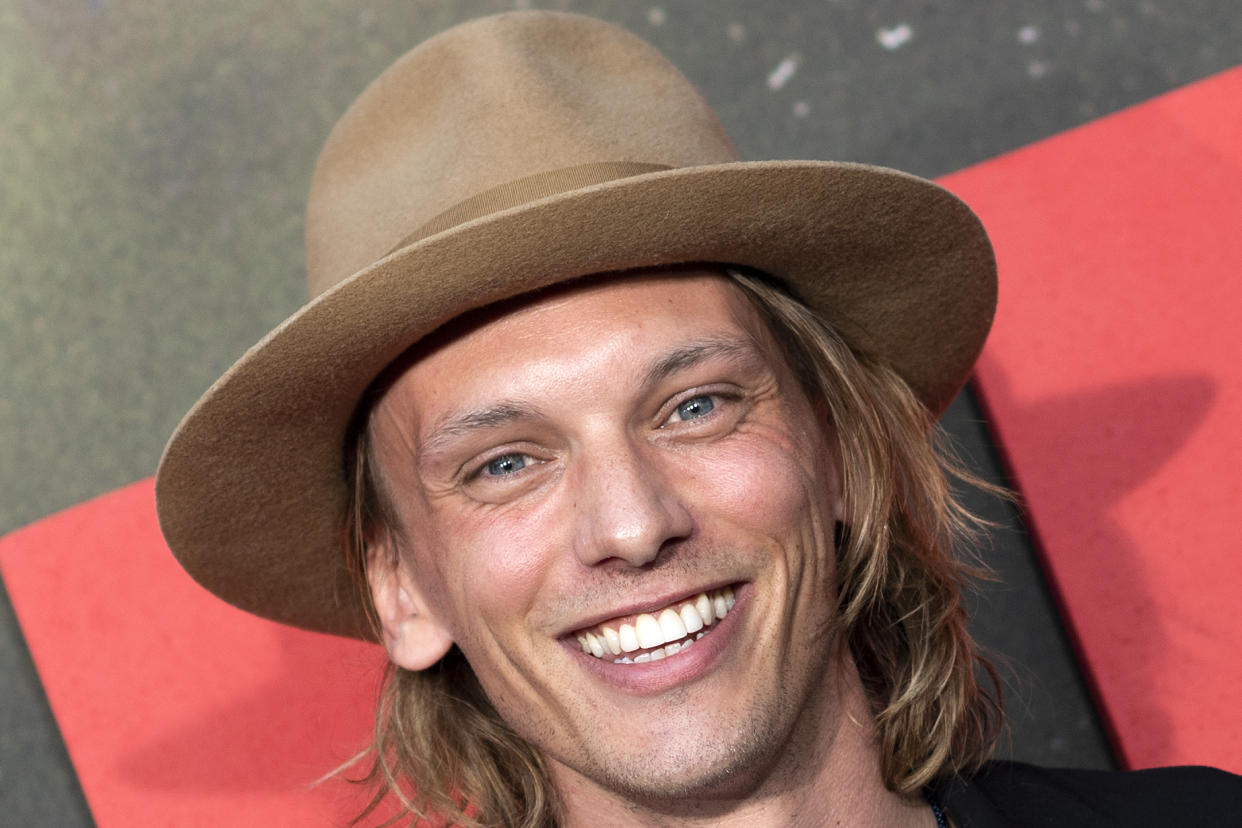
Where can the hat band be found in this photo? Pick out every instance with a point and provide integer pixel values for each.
(526, 189)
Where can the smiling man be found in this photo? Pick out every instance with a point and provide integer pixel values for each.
(652, 498)
(624, 450)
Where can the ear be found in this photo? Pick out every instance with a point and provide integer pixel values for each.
(414, 637)
(832, 453)
(832, 448)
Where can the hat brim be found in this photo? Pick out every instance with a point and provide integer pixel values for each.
(251, 488)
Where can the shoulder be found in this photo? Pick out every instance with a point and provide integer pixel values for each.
(1017, 794)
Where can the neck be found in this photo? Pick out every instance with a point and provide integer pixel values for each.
(827, 773)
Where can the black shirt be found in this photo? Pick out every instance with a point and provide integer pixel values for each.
(1025, 796)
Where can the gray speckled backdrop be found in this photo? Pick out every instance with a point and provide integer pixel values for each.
(154, 159)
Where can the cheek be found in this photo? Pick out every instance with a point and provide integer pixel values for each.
(491, 567)
(761, 479)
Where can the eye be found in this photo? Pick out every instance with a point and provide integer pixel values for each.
(694, 408)
(506, 464)
(504, 476)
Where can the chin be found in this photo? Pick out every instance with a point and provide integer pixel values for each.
(668, 775)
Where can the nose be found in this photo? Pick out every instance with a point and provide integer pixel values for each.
(630, 508)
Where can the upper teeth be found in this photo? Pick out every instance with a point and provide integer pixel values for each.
(653, 631)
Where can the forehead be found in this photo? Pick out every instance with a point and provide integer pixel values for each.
(575, 331)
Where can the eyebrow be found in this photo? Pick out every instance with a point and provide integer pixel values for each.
(693, 353)
(504, 412)
(463, 422)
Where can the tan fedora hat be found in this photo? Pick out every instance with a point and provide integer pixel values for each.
(498, 157)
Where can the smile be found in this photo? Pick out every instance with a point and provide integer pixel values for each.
(652, 636)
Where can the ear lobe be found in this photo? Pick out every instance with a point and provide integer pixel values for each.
(417, 643)
(413, 636)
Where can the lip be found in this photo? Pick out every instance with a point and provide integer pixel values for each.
(687, 665)
(652, 605)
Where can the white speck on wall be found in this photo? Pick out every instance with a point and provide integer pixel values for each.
(1028, 34)
(1037, 69)
(801, 109)
(783, 72)
(736, 32)
(655, 16)
(894, 38)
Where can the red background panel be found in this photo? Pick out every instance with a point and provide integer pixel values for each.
(176, 708)
(1113, 378)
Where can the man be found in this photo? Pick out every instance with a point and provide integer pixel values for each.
(622, 448)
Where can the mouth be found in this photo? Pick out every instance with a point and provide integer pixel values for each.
(652, 636)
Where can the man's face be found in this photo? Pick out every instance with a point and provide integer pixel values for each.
(601, 458)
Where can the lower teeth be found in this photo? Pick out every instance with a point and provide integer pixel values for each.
(662, 652)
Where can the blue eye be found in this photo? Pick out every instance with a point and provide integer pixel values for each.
(695, 407)
(506, 464)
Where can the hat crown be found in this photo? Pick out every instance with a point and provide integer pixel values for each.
(486, 103)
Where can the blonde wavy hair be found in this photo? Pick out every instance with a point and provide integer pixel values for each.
(444, 754)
